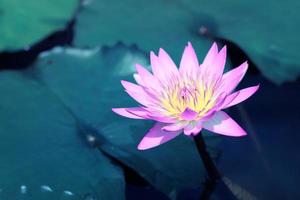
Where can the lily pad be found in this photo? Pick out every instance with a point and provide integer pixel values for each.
(42, 155)
(150, 25)
(263, 30)
(88, 81)
(24, 23)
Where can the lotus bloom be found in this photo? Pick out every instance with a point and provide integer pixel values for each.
(187, 99)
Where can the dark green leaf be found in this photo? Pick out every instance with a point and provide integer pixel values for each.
(267, 31)
(26, 22)
(41, 145)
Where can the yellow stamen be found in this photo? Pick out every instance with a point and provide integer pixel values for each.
(188, 94)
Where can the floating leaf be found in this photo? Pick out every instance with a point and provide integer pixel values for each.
(41, 147)
(24, 23)
(150, 25)
(263, 30)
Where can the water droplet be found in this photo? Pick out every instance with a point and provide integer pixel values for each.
(91, 138)
(67, 192)
(46, 188)
(23, 189)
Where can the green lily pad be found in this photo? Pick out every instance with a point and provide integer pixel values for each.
(263, 30)
(88, 81)
(24, 23)
(41, 147)
(150, 25)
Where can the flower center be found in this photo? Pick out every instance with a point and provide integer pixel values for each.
(192, 95)
(187, 93)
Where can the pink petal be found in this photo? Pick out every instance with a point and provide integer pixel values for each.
(131, 86)
(232, 78)
(218, 106)
(188, 114)
(167, 62)
(137, 93)
(147, 78)
(158, 116)
(189, 61)
(192, 130)
(156, 136)
(158, 70)
(242, 95)
(138, 79)
(218, 64)
(175, 127)
(154, 63)
(162, 119)
(134, 113)
(221, 123)
(227, 100)
(212, 53)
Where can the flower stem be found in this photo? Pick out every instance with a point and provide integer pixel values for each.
(214, 175)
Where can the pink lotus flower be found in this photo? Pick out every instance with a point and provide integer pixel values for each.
(186, 99)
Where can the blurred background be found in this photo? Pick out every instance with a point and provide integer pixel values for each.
(61, 63)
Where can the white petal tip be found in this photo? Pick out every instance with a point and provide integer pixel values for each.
(214, 45)
(123, 82)
(152, 54)
(235, 134)
(224, 49)
(143, 147)
(240, 133)
(115, 110)
(137, 66)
